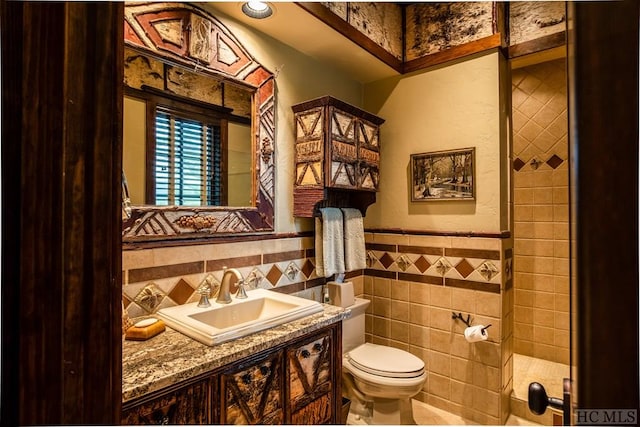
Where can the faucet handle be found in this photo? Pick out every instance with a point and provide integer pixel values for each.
(241, 293)
(204, 289)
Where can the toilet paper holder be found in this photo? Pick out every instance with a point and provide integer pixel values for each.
(467, 321)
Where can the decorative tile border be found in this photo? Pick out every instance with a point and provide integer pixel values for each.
(476, 269)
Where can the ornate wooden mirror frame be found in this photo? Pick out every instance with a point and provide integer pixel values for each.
(182, 34)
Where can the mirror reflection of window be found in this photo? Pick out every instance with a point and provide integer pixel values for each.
(174, 158)
(187, 162)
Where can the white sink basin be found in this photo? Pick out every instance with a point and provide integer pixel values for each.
(262, 310)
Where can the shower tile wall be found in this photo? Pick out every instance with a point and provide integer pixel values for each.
(541, 211)
(415, 284)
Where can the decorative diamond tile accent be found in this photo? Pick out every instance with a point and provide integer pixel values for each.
(518, 164)
(291, 271)
(386, 260)
(181, 292)
(554, 161)
(422, 264)
(508, 268)
(464, 268)
(371, 259)
(274, 275)
(150, 297)
(442, 265)
(254, 278)
(488, 270)
(126, 301)
(403, 262)
(307, 268)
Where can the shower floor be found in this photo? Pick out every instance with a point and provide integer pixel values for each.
(528, 369)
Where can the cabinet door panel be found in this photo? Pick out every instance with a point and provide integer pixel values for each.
(310, 368)
(188, 405)
(253, 393)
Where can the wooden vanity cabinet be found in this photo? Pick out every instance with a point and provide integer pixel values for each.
(311, 379)
(252, 392)
(185, 405)
(297, 382)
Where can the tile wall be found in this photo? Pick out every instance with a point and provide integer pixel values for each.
(164, 277)
(415, 284)
(541, 211)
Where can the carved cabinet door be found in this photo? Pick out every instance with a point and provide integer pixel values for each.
(252, 392)
(310, 380)
(187, 405)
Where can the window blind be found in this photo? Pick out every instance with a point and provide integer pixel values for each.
(187, 161)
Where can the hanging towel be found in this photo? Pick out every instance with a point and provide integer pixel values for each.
(355, 255)
(329, 243)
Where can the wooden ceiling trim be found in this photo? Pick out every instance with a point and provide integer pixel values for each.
(456, 52)
(532, 46)
(347, 30)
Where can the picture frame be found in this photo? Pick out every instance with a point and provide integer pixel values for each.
(443, 175)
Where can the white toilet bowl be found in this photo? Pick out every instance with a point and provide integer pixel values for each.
(380, 378)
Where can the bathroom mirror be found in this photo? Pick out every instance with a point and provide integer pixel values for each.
(190, 83)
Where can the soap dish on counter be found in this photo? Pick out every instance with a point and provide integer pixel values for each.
(145, 329)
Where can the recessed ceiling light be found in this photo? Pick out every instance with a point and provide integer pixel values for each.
(257, 9)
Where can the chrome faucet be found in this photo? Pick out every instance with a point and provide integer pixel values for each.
(224, 297)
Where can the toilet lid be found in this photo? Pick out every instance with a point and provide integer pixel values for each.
(386, 361)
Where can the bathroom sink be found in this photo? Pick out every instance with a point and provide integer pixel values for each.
(262, 309)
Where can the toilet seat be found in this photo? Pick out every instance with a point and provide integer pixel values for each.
(385, 361)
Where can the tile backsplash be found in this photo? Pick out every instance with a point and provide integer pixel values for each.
(163, 277)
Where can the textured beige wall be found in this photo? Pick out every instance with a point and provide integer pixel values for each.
(541, 231)
(133, 158)
(441, 108)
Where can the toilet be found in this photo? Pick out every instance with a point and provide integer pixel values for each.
(379, 380)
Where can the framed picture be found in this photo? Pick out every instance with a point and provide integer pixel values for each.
(443, 175)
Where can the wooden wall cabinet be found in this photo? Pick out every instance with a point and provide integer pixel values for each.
(337, 156)
(297, 382)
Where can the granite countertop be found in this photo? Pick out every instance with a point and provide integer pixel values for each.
(172, 357)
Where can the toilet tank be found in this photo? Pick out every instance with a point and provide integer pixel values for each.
(353, 327)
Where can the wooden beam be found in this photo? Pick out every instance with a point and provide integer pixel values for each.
(347, 30)
(456, 52)
(543, 43)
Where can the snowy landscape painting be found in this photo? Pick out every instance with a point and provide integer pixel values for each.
(443, 175)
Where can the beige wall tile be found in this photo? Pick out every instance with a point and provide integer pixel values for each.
(486, 377)
(440, 341)
(462, 393)
(463, 300)
(381, 306)
(544, 300)
(561, 320)
(523, 213)
(488, 304)
(381, 326)
(524, 298)
(400, 290)
(523, 196)
(523, 331)
(524, 230)
(542, 335)
(523, 280)
(419, 314)
(399, 331)
(400, 310)
(439, 363)
(440, 296)
(419, 293)
(486, 401)
(543, 195)
(543, 230)
(419, 336)
(523, 314)
(543, 317)
(440, 319)
(562, 303)
(439, 386)
(460, 347)
(382, 287)
(461, 370)
(543, 213)
(561, 231)
(543, 283)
